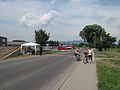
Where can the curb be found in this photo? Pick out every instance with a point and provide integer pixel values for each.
(66, 76)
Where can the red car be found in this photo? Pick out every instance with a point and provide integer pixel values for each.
(61, 48)
(69, 47)
(65, 48)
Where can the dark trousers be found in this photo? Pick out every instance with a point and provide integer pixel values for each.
(85, 59)
(40, 53)
(90, 57)
(41, 50)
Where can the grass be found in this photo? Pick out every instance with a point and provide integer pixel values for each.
(16, 57)
(116, 62)
(108, 77)
(44, 52)
(111, 53)
(108, 70)
(5, 51)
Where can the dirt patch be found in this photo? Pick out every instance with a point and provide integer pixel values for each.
(99, 59)
(6, 50)
(111, 64)
(107, 62)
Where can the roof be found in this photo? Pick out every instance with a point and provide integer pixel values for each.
(18, 41)
(3, 37)
(30, 44)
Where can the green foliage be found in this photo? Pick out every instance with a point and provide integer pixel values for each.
(108, 70)
(53, 43)
(81, 44)
(118, 50)
(108, 77)
(96, 36)
(119, 43)
(41, 37)
(111, 53)
(114, 50)
(117, 62)
(91, 32)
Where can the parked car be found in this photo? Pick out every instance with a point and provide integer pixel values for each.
(65, 47)
(61, 48)
(69, 47)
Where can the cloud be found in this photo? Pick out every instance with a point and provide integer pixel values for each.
(32, 20)
(85, 1)
(75, 0)
(74, 15)
(52, 1)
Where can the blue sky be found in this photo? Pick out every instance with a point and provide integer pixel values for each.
(64, 19)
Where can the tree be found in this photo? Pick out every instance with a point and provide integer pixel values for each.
(91, 32)
(96, 36)
(119, 43)
(53, 43)
(105, 42)
(41, 37)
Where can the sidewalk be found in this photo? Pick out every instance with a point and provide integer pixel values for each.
(83, 78)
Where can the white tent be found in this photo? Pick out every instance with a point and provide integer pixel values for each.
(31, 44)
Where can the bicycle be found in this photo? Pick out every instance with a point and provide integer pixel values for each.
(78, 57)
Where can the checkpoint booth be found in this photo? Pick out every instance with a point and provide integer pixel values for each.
(30, 48)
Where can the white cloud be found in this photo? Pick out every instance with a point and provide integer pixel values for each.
(85, 1)
(75, 0)
(32, 20)
(53, 1)
(74, 15)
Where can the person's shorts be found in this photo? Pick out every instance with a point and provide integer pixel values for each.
(75, 54)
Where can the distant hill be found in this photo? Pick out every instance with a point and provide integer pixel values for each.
(71, 42)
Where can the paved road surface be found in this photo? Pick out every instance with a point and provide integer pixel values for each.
(34, 73)
(83, 78)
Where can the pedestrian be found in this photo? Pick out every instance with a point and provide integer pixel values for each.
(41, 50)
(90, 55)
(85, 59)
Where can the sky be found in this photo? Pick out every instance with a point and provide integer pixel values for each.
(63, 19)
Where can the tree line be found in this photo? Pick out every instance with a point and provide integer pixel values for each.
(93, 35)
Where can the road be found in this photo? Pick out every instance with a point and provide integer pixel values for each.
(34, 73)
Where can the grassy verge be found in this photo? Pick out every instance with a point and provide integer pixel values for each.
(108, 70)
(29, 55)
(108, 77)
(6, 50)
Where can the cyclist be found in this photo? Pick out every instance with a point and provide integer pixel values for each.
(77, 53)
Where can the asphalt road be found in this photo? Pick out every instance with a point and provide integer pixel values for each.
(34, 73)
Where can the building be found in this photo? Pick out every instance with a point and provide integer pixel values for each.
(16, 43)
(3, 41)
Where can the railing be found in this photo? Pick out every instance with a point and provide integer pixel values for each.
(13, 54)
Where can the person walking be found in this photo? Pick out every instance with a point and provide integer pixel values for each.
(41, 50)
(85, 59)
(90, 55)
